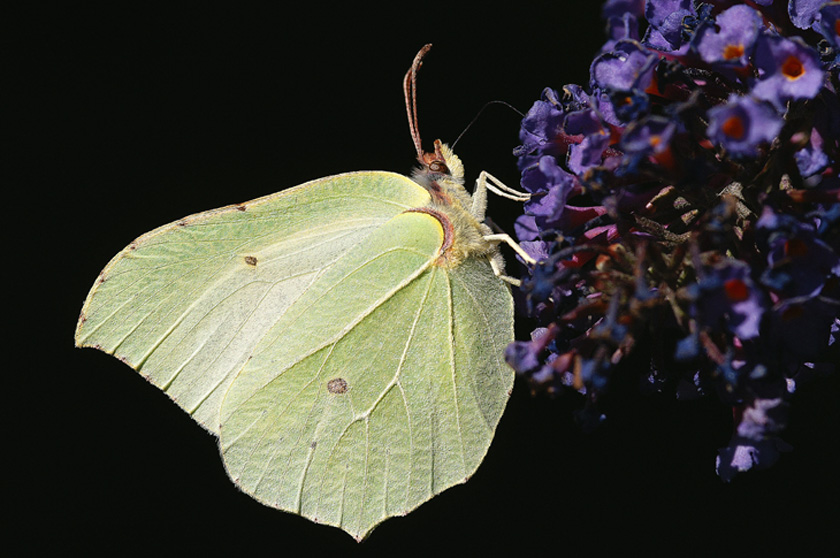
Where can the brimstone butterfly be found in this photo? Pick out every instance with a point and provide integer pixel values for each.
(343, 339)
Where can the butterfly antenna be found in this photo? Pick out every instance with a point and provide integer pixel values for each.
(410, 91)
(475, 118)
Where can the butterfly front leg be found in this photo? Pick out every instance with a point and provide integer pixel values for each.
(487, 181)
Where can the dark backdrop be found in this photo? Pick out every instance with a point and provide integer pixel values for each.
(123, 119)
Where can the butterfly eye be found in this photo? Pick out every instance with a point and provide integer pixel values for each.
(439, 166)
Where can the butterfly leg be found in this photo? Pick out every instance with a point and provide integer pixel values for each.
(498, 267)
(497, 263)
(487, 181)
(499, 238)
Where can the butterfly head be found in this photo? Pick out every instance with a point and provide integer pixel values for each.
(439, 167)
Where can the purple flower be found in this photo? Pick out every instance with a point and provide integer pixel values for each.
(631, 105)
(551, 186)
(628, 66)
(648, 137)
(526, 229)
(733, 43)
(575, 98)
(666, 23)
(791, 70)
(603, 103)
(625, 26)
(537, 249)
(741, 457)
(811, 159)
(829, 26)
(755, 442)
(596, 138)
(669, 219)
(523, 355)
(803, 13)
(819, 151)
(541, 128)
(763, 417)
(728, 296)
(798, 262)
(742, 125)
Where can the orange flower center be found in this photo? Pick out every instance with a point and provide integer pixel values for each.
(736, 290)
(734, 127)
(793, 68)
(731, 52)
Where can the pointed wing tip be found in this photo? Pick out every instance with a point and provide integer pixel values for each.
(80, 342)
(359, 536)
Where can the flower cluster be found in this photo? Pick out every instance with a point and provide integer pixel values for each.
(687, 200)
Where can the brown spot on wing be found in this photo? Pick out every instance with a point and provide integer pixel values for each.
(337, 386)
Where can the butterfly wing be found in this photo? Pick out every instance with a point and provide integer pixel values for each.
(349, 378)
(186, 304)
(380, 387)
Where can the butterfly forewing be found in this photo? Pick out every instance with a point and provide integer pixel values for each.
(186, 303)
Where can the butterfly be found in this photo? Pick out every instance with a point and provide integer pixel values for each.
(343, 339)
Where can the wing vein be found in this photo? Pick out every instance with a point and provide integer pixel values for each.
(453, 367)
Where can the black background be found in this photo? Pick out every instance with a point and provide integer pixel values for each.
(123, 119)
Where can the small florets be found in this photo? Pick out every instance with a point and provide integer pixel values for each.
(688, 202)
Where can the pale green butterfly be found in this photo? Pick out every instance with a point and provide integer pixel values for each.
(343, 339)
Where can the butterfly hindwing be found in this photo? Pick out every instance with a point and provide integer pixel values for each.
(381, 389)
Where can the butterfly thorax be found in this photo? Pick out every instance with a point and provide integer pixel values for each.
(442, 174)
